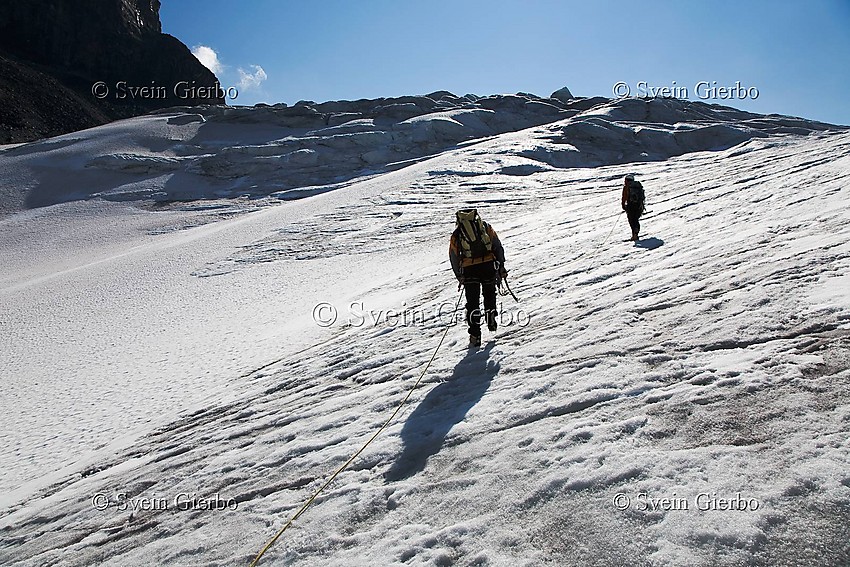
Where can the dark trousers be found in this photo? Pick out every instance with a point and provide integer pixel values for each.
(478, 278)
(473, 307)
(633, 214)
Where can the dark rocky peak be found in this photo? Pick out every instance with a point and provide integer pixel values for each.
(75, 33)
(81, 42)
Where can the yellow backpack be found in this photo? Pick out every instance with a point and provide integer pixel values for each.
(474, 238)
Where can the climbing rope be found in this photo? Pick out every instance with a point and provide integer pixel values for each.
(351, 459)
(597, 248)
(612, 229)
(507, 290)
(389, 420)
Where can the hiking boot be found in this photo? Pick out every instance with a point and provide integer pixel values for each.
(490, 315)
(474, 340)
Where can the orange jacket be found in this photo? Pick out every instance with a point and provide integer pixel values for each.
(458, 262)
(625, 194)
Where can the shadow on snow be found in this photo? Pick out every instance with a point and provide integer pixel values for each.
(425, 431)
(650, 243)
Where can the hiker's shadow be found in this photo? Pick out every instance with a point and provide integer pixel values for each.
(650, 243)
(425, 430)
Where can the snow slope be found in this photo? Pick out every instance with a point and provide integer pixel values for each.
(707, 363)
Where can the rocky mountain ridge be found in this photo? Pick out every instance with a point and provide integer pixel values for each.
(53, 52)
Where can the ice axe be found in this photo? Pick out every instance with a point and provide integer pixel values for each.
(504, 278)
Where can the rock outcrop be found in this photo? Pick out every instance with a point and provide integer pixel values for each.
(563, 94)
(59, 49)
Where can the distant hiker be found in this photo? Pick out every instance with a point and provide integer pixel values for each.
(633, 203)
(478, 261)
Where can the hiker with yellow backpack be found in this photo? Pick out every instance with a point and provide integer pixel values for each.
(478, 261)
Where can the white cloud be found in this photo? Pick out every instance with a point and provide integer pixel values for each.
(249, 81)
(208, 58)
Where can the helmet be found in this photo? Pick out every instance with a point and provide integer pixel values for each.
(630, 176)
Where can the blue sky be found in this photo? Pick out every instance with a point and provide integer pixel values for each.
(796, 54)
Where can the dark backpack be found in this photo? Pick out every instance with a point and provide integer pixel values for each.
(636, 195)
(474, 240)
